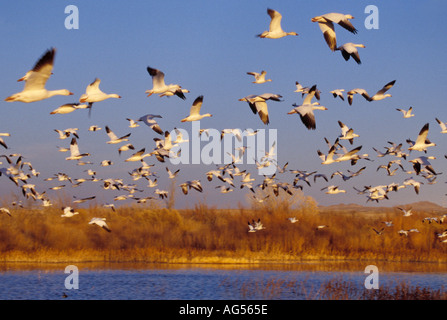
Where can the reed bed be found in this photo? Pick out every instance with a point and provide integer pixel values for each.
(204, 234)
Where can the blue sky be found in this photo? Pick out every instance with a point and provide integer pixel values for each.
(208, 47)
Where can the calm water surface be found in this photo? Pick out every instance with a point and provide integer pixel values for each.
(162, 282)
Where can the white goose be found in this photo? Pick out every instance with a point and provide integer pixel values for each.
(275, 31)
(347, 133)
(422, 161)
(333, 190)
(349, 50)
(69, 212)
(159, 87)
(74, 151)
(422, 143)
(380, 95)
(258, 104)
(306, 110)
(68, 108)
(338, 93)
(94, 94)
(406, 113)
(194, 113)
(149, 120)
(443, 125)
(36, 79)
(326, 24)
(406, 213)
(259, 77)
(360, 91)
(114, 138)
(101, 222)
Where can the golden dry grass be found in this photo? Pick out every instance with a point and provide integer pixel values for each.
(204, 234)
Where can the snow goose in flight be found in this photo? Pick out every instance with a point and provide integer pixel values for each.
(406, 113)
(326, 24)
(188, 185)
(94, 94)
(333, 190)
(329, 158)
(378, 232)
(349, 156)
(114, 138)
(275, 31)
(293, 219)
(443, 125)
(159, 86)
(101, 222)
(411, 182)
(347, 133)
(69, 212)
(360, 91)
(35, 80)
(194, 113)
(258, 104)
(68, 108)
(259, 77)
(5, 210)
(133, 123)
(149, 120)
(125, 147)
(138, 156)
(406, 213)
(338, 93)
(422, 143)
(422, 161)
(349, 50)
(2, 142)
(380, 95)
(74, 151)
(306, 110)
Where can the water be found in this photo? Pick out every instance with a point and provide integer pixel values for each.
(188, 282)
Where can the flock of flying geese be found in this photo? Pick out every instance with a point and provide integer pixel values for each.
(34, 90)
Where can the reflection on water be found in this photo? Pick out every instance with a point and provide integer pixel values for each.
(196, 282)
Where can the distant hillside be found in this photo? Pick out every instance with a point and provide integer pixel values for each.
(426, 206)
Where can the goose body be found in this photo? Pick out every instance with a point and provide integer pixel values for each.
(159, 86)
(74, 151)
(194, 113)
(406, 113)
(114, 138)
(68, 108)
(347, 133)
(101, 222)
(443, 125)
(381, 94)
(306, 110)
(258, 104)
(326, 24)
(349, 50)
(338, 93)
(422, 143)
(94, 94)
(36, 79)
(275, 30)
(260, 77)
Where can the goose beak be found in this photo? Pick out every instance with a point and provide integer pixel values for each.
(9, 99)
(70, 93)
(21, 79)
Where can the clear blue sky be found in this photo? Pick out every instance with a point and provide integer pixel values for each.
(207, 47)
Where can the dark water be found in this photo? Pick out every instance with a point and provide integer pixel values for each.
(128, 282)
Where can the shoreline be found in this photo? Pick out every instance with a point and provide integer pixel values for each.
(102, 259)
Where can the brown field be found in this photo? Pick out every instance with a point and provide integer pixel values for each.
(154, 234)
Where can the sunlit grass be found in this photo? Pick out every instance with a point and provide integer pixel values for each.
(204, 234)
